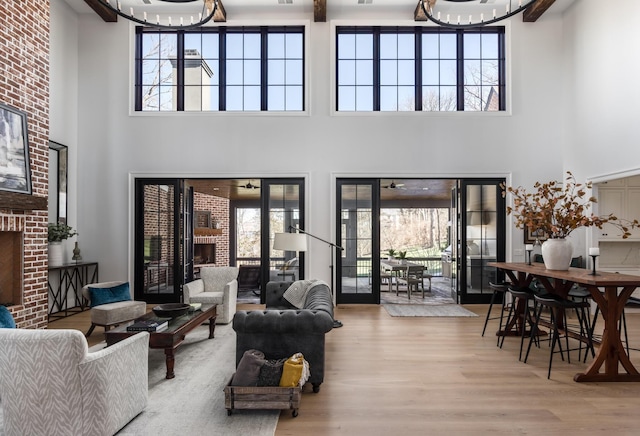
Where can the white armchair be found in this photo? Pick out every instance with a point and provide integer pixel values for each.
(288, 272)
(51, 384)
(216, 285)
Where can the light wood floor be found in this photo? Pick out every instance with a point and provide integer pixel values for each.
(438, 376)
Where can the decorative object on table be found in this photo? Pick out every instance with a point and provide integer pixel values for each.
(15, 170)
(529, 249)
(594, 252)
(149, 325)
(56, 234)
(391, 253)
(556, 209)
(76, 253)
(402, 257)
(171, 310)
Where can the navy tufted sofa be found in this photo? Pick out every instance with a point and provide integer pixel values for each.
(282, 330)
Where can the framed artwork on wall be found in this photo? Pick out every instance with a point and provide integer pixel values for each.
(15, 169)
(531, 237)
(203, 219)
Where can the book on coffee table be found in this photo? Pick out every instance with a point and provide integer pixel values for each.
(151, 325)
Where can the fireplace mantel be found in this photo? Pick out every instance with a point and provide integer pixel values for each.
(16, 201)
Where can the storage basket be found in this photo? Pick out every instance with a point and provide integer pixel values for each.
(261, 397)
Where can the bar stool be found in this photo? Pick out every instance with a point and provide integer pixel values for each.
(524, 296)
(558, 308)
(499, 289)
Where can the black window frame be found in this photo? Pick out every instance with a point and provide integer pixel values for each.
(418, 32)
(222, 31)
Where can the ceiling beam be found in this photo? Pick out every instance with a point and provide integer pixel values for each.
(418, 14)
(319, 11)
(105, 13)
(533, 12)
(220, 15)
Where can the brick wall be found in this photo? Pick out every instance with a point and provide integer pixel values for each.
(24, 84)
(219, 208)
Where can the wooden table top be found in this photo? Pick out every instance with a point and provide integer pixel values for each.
(576, 275)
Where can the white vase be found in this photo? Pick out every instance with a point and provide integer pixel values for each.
(557, 253)
(56, 254)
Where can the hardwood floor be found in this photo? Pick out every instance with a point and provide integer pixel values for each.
(438, 376)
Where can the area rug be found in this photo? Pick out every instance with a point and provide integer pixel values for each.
(193, 402)
(450, 310)
(440, 294)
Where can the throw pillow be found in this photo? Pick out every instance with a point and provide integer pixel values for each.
(109, 295)
(6, 319)
(248, 369)
(271, 372)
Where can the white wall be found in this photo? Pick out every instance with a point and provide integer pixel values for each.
(112, 144)
(63, 101)
(601, 74)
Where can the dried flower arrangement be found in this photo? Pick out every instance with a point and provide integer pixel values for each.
(558, 209)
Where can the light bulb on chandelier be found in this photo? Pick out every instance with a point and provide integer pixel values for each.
(435, 11)
(183, 10)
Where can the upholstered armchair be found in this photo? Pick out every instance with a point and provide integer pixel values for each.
(287, 272)
(216, 285)
(51, 384)
(111, 304)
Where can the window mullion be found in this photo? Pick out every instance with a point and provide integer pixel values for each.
(418, 70)
(264, 95)
(180, 71)
(222, 62)
(460, 69)
(376, 69)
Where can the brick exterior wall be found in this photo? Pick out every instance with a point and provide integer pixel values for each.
(219, 208)
(24, 84)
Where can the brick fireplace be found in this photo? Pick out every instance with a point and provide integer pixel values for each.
(24, 85)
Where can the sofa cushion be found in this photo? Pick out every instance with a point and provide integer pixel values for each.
(113, 294)
(6, 319)
(207, 298)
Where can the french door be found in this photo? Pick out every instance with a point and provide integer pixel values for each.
(282, 208)
(158, 272)
(357, 233)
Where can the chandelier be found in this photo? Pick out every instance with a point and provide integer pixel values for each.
(449, 13)
(164, 14)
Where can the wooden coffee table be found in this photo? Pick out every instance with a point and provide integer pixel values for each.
(173, 336)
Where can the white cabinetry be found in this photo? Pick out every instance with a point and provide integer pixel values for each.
(622, 198)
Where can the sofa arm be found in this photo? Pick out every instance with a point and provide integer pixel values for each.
(282, 321)
(274, 295)
(192, 288)
(117, 403)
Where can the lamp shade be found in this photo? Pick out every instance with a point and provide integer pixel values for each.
(290, 242)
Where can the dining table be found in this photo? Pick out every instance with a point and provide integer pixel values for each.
(394, 268)
(610, 291)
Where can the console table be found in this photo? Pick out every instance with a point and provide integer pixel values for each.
(69, 278)
(617, 288)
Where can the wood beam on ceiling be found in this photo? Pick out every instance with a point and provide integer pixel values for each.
(533, 12)
(220, 15)
(319, 11)
(105, 13)
(418, 14)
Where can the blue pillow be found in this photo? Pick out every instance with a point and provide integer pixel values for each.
(6, 319)
(109, 295)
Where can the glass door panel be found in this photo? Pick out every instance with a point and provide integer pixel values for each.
(358, 281)
(282, 201)
(157, 255)
(482, 237)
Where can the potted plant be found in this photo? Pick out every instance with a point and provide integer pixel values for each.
(556, 209)
(391, 253)
(58, 232)
(402, 255)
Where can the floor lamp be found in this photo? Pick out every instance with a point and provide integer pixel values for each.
(298, 242)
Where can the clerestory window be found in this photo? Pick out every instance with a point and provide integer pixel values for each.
(420, 69)
(220, 69)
